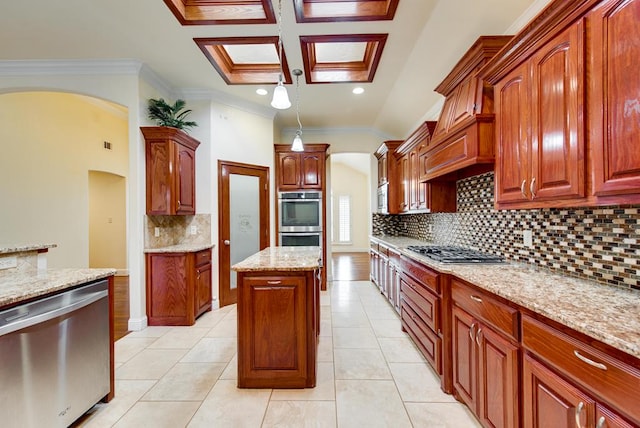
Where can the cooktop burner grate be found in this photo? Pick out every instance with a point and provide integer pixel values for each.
(449, 254)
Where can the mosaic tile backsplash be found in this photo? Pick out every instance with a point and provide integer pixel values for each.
(598, 243)
(175, 229)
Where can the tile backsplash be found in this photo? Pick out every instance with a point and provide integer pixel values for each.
(598, 243)
(175, 229)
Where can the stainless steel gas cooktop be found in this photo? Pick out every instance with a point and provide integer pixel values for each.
(450, 254)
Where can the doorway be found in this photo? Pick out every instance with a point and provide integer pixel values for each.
(243, 220)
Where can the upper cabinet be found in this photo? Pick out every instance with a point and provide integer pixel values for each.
(566, 127)
(414, 193)
(300, 170)
(463, 138)
(170, 169)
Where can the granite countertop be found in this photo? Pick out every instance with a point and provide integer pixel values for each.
(8, 249)
(18, 287)
(179, 248)
(608, 314)
(282, 259)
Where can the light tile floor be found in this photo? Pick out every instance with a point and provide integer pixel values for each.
(369, 375)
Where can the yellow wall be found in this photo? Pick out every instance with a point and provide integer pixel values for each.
(49, 141)
(348, 181)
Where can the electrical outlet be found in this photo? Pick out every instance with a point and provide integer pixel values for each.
(156, 232)
(8, 262)
(527, 238)
(193, 230)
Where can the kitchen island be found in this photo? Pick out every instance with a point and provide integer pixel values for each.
(278, 317)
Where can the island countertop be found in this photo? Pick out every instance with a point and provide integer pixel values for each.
(281, 259)
(20, 286)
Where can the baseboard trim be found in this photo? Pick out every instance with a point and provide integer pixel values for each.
(137, 324)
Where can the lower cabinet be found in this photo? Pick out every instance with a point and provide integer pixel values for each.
(178, 287)
(385, 272)
(568, 383)
(278, 316)
(485, 362)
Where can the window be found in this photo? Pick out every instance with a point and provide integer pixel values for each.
(342, 230)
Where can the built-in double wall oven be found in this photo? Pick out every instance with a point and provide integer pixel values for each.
(300, 218)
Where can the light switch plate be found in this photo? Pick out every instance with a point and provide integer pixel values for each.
(193, 230)
(156, 232)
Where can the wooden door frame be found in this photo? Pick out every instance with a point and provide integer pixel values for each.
(226, 295)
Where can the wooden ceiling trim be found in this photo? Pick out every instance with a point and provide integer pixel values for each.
(342, 72)
(216, 12)
(344, 10)
(243, 73)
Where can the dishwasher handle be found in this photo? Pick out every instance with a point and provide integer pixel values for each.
(34, 317)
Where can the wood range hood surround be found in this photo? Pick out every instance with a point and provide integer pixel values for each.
(463, 141)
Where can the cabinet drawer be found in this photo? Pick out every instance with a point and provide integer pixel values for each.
(429, 344)
(424, 275)
(203, 257)
(615, 382)
(486, 308)
(424, 303)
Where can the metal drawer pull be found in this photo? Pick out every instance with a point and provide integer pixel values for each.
(531, 187)
(522, 188)
(601, 422)
(476, 298)
(478, 334)
(274, 282)
(471, 331)
(590, 362)
(578, 412)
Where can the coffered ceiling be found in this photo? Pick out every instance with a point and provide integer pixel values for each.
(397, 51)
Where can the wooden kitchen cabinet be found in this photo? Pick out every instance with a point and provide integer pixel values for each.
(278, 318)
(560, 372)
(614, 106)
(541, 145)
(485, 355)
(170, 171)
(178, 287)
(300, 170)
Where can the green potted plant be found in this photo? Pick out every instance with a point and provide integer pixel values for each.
(165, 114)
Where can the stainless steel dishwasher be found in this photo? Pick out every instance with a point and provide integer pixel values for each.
(54, 357)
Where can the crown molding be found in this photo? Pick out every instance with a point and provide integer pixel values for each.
(154, 79)
(31, 67)
(228, 100)
(341, 131)
(527, 16)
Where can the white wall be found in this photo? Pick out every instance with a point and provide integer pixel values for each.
(50, 142)
(349, 181)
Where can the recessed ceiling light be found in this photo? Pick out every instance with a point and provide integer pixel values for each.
(261, 91)
(358, 90)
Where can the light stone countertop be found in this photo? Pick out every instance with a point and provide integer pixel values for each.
(9, 249)
(179, 248)
(281, 259)
(21, 286)
(608, 314)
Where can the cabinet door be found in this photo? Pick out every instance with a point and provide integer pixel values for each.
(614, 113)
(557, 143)
(549, 401)
(497, 379)
(185, 180)
(382, 169)
(203, 289)
(512, 127)
(413, 179)
(312, 167)
(445, 115)
(159, 183)
(169, 299)
(465, 101)
(607, 418)
(289, 171)
(464, 357)
(405, 183)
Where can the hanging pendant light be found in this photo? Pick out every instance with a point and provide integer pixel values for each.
(280, 97)
(297, 141)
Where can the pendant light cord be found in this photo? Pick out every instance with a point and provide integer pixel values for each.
(298, 103)
(281, 78)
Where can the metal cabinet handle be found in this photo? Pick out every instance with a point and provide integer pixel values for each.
(478, 336)
(578, 412)
(471, 331)
(226, 242)
(178, 203)
(522, 188)
(589, 361)
(476, 298)
(601, 422)
(532, 187)
(274, 282)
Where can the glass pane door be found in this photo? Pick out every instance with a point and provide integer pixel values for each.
(244, 219)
